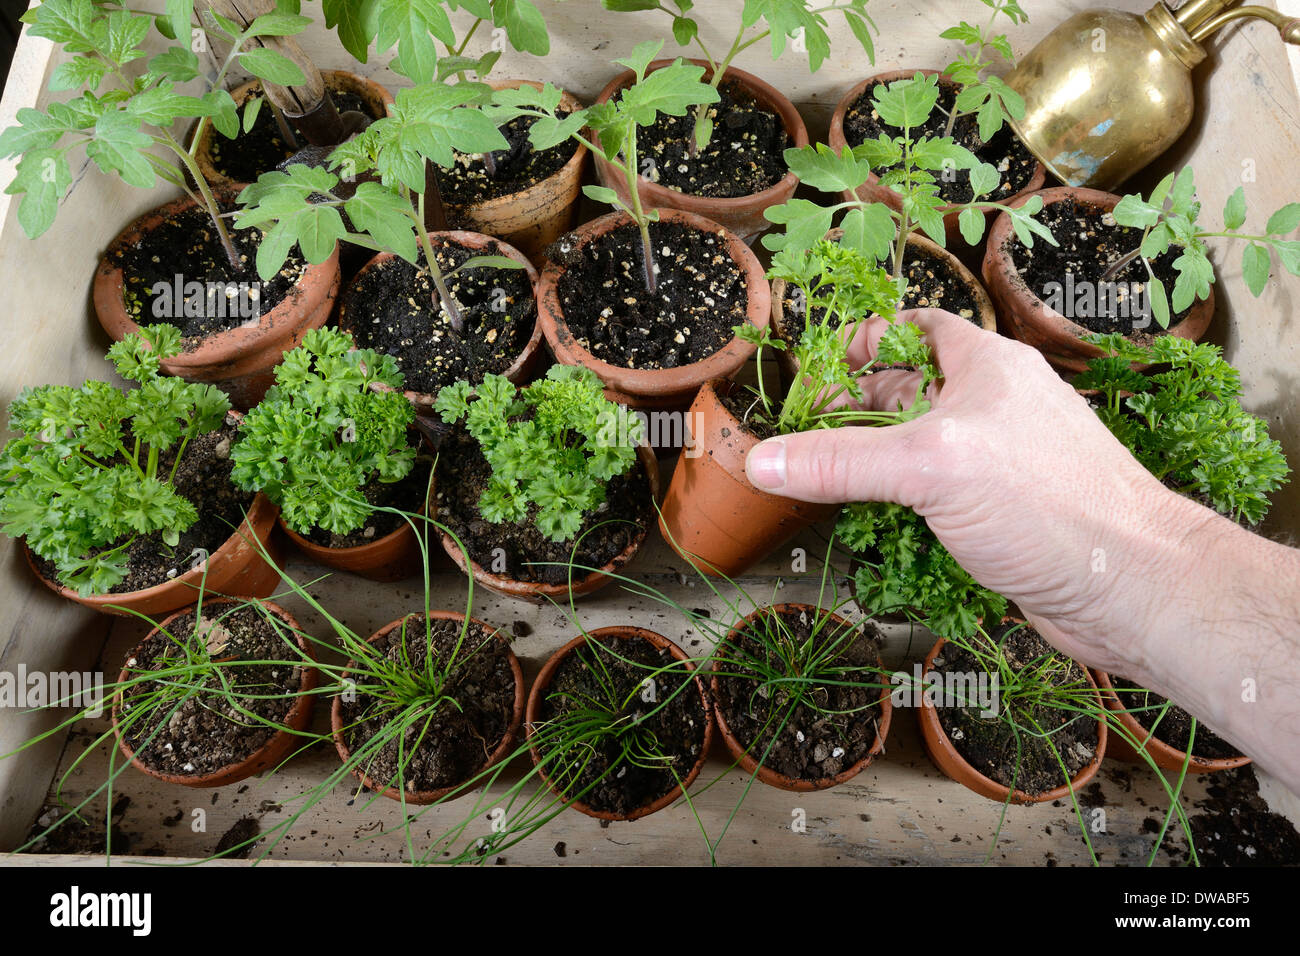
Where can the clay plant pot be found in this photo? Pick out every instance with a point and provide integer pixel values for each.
(954, 765)
(239, 361)
(523, 369)
(871, 190)
(669, 388)
(271, 753)
(375, 96)
(503, 749)
(1028, 318)
(394, 557)
(1165, 756)
(237, 568)
(606, 634)
(532, 218)
(749, 760)
(988, 318)
(539, 592)
(711, 514)
(742, 215)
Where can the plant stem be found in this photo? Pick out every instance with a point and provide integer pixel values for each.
(638, 213)
(214, 211)
(442, 297)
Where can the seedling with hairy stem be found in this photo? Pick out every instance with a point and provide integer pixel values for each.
(324, 431)
(910, 166)
(1168, 217)
(84, 477)
(306, 205)
(779, 20)
(988, 97)
(122, 126)
(1185, 422)
(672, 91)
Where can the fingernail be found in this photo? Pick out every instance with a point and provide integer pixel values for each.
(765, 465)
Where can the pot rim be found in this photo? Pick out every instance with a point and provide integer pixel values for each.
(298, 716)
(536, 590)
(1159, 750)
(472, 242)
(229, 346)
(653, 382)
(620, 632)
(356, 551)
(767, 95)
(774, 778)
(932, 728)
(424, 797)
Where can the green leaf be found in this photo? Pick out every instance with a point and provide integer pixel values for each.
(630, 6)
(383, 214)
(907, 103)
(126, 31)
(1234, 211)
(641, 56)
(1286, 220)
(350, 19)
(176, 64)
(252, 106)
(118, 147)
(525, 26)
(43, 177)
(272, 67)
(672, 90)
(685, 30)
(278, 24)
(601, 194)
(1255, 267)
(78, 72)
(1159, 301)
(1136, 212)
(862, 33)
(161, 106)
(984, 179)
(822, 168)
(805, 222)
(971, 223)
(869, 230)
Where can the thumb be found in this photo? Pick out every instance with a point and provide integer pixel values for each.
(835, 465)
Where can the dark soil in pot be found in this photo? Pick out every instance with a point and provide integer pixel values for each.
(517, 167)
(1175, 727)
(406, 495)
(390, 309)
(464, 474)
(931, 283)
(1237, 828)
(203, 479)
(990, 745)
(811, 745)
(262, 148)
(678, 721)
(456, 743)
(741, 402)
(743, 156)
(1013, 161)
(206, 734)
(1090, 240)
(187, 245)
(700, 296)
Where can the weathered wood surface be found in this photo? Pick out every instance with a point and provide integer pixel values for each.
(1248, 126)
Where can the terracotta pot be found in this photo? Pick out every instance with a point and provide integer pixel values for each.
(871, 190)
(532, 218)
(749, 759)
(271, 753)
(523, 369)
(606, 634)
(237, 568)
(503, 749)
(988, 318)
(742, 215)
(375, 96)
(393, 557)
(1028, 318)
(654, 388)
(954, 765)
(1166, 757)
(239, 361)
(711, 511)
(539, 592)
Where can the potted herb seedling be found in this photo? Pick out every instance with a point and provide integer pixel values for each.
(645, 298)
(180, 263)
(711, 514)
(723, 161)
(972, 108)
(123, 498)
(1185, 424)
(1022, 723)
(446, 305)
(538, 479)
(617, 723)
(1125, 261)
(907, 234)
(331, 444)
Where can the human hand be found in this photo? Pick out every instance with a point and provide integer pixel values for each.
(1017, 477)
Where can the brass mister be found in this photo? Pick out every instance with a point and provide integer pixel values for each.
(1108, 91)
